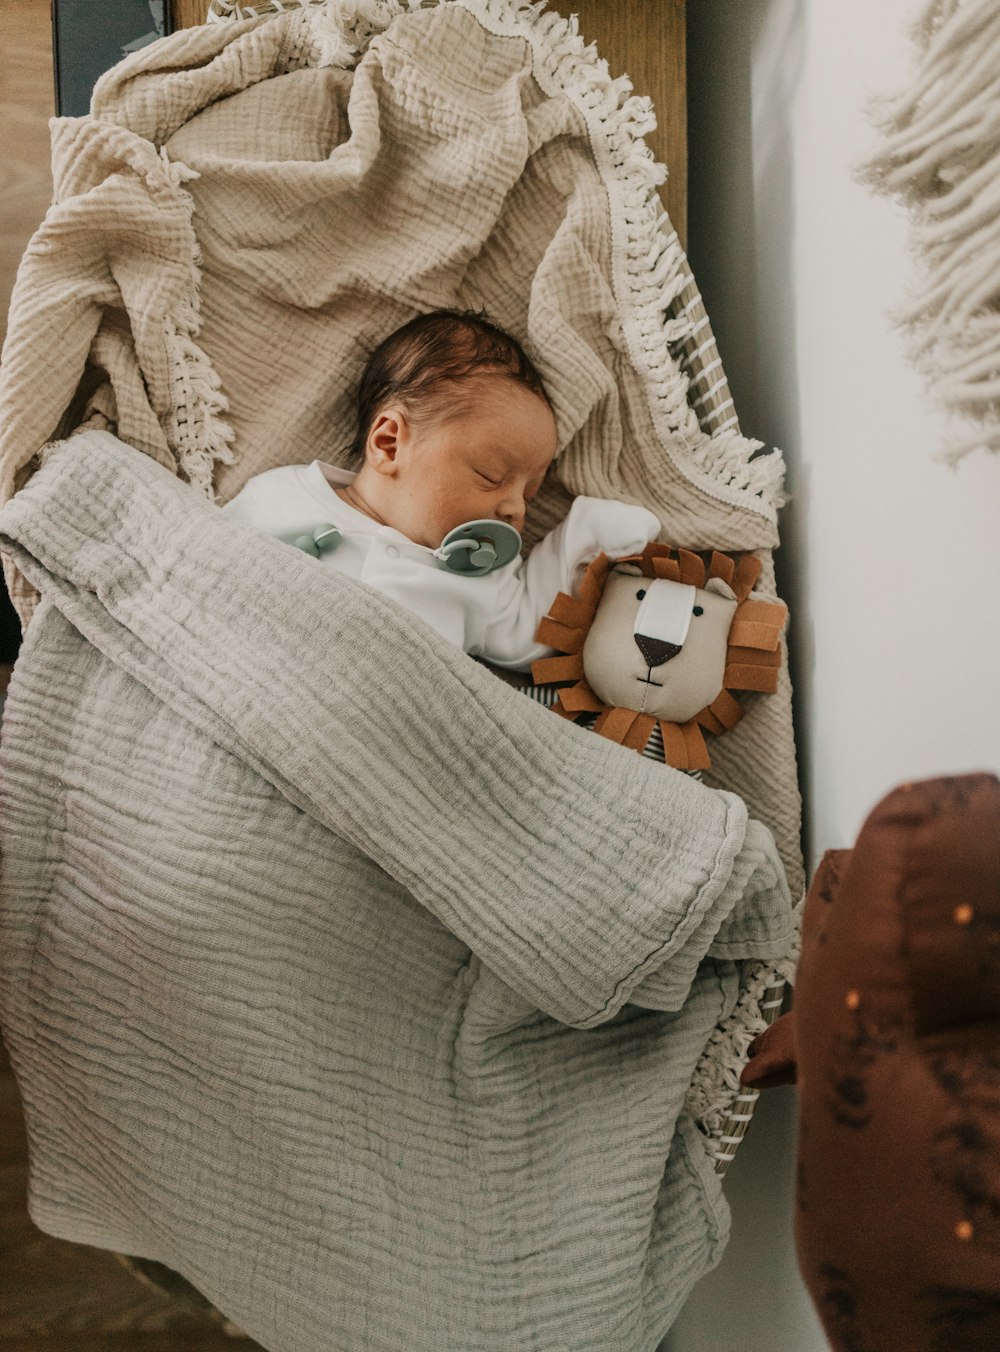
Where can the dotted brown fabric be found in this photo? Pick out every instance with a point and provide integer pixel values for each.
(898, 1034)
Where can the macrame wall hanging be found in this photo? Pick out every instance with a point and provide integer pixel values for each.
(940, 156)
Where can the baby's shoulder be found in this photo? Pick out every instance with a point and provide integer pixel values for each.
(272, 484)
(272, 478)
(274, 498)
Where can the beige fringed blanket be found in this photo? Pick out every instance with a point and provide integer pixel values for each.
(325, 951)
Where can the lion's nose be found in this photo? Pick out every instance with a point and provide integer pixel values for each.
(656, 651)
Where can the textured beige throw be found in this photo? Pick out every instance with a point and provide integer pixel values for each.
(340, 977)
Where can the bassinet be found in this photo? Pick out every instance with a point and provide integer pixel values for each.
(696, 355)
(195, 99)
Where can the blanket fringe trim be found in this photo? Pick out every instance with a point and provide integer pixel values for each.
(195, 427)
(663, 319)
(939, 155)
(721, 1107)
(660, 304)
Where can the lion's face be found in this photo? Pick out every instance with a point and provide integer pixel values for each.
(659, 647)
(661, 639)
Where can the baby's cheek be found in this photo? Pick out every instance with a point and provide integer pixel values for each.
(469, 506)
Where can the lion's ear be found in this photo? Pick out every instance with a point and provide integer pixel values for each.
(629, 569)
(720, 588)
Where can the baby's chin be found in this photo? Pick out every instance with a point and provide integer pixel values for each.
(434, 536)
(429, 537)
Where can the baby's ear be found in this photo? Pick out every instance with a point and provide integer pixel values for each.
(385, 437)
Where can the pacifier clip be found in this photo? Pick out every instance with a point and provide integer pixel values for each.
(474, 548)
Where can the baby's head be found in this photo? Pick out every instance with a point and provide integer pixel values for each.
(453, 425)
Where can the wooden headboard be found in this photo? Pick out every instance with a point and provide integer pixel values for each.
(643, 39)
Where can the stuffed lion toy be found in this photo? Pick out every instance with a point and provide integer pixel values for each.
(657, 642)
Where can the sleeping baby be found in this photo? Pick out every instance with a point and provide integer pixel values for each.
(453, 426)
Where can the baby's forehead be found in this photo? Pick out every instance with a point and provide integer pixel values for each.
(488, 392)
(507, 418)
(511, 453)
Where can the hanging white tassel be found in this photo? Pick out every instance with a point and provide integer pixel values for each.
(195, 427)
(940, 156)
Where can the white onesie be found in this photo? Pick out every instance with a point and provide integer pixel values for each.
(493, 616)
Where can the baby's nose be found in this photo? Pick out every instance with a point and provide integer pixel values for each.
(512, 511)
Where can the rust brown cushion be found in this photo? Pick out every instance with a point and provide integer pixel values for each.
(897, 1026)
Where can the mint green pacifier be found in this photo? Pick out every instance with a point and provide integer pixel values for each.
(478, 547)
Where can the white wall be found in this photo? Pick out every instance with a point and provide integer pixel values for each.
(889, 559)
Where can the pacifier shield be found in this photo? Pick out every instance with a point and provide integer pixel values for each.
(479, 547)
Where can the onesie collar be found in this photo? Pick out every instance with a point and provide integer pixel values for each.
(320, 479)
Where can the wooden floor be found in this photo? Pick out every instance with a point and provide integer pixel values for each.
(58, 1297)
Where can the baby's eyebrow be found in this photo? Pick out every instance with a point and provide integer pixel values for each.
(498, 458)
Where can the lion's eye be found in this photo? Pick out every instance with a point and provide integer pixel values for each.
(698, 610)
(640, 594)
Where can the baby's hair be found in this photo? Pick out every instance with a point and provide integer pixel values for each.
(420, 364)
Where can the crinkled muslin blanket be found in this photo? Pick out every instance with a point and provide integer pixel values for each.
(337, 975)
(373, 1016)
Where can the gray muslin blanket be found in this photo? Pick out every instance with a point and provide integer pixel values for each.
(338, 976)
